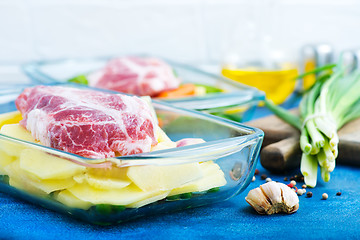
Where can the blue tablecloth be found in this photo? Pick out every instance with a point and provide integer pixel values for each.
(338, 217)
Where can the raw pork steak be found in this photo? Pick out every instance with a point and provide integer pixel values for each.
(86, 122)
(139, 76)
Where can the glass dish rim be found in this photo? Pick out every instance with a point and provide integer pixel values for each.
(252, 133)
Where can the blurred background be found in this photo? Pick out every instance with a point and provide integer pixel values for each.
(207, 33)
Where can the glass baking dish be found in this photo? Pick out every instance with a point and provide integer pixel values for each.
(237, 102)
(45, 176)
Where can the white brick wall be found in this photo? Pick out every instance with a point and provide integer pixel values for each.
(201, 31)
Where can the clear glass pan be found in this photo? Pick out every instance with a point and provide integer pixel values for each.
(230, 146)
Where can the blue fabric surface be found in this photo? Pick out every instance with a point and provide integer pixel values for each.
(338, 217)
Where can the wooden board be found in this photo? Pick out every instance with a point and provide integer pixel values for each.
(281, 151)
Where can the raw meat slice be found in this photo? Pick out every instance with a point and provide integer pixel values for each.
(139, 76)
(86, 122)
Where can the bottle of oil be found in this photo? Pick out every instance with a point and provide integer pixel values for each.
(255, 56)
(277, 79)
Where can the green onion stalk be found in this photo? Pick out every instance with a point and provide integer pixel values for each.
(333, 101)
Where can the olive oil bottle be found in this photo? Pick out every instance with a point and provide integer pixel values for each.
(277, 83)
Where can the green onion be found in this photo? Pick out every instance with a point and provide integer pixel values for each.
(332, 102)
(284, 114)
(308, 168)
(305, 145)
(317, 70)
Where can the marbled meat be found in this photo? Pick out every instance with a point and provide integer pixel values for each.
(139, 76)
(88, 123)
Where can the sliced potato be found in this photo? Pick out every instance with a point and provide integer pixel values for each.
(4, 161)
(124, 196)
(209, 168)
(149, 200)
(150, 178)
(65, 197)
(106, 183)
(213, 177)
(19, 184)
(204, 184)
(164, 142)
(30, 182)
(114, 178)
(46, 166)
(10, 118)
(50, 186)
(15, 131)
(163, 146)
(161, 135)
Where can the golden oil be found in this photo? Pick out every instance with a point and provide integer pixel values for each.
(278, 84)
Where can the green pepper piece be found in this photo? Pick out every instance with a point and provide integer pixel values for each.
(215, 189)
(4, 178)
(118, 208)
(174, 197)
(104, 209)
(81, 79)
(233, 117)
(209, 89)
(186, 195)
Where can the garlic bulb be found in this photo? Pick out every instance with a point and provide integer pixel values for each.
(273, 197)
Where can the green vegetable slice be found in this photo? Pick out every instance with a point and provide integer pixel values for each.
(81, 79)
(209, 89)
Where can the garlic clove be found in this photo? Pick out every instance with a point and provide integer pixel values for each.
(290, 199)
(258, 201)
(273, 197)
(272, 192)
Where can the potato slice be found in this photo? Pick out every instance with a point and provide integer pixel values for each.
(161, 135)
(164, 141)
(150, 178)
(124, 196)
(204, 184)
(213, 177)
(114, 178)
(18, 184)
(66, 198)
(4, 161)
(104, 183)
(15, 131)
(147, 201)
(46, 166)
(50, 186)
(163, 146)
(10, 118)
(209, 168)
(31, 183)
